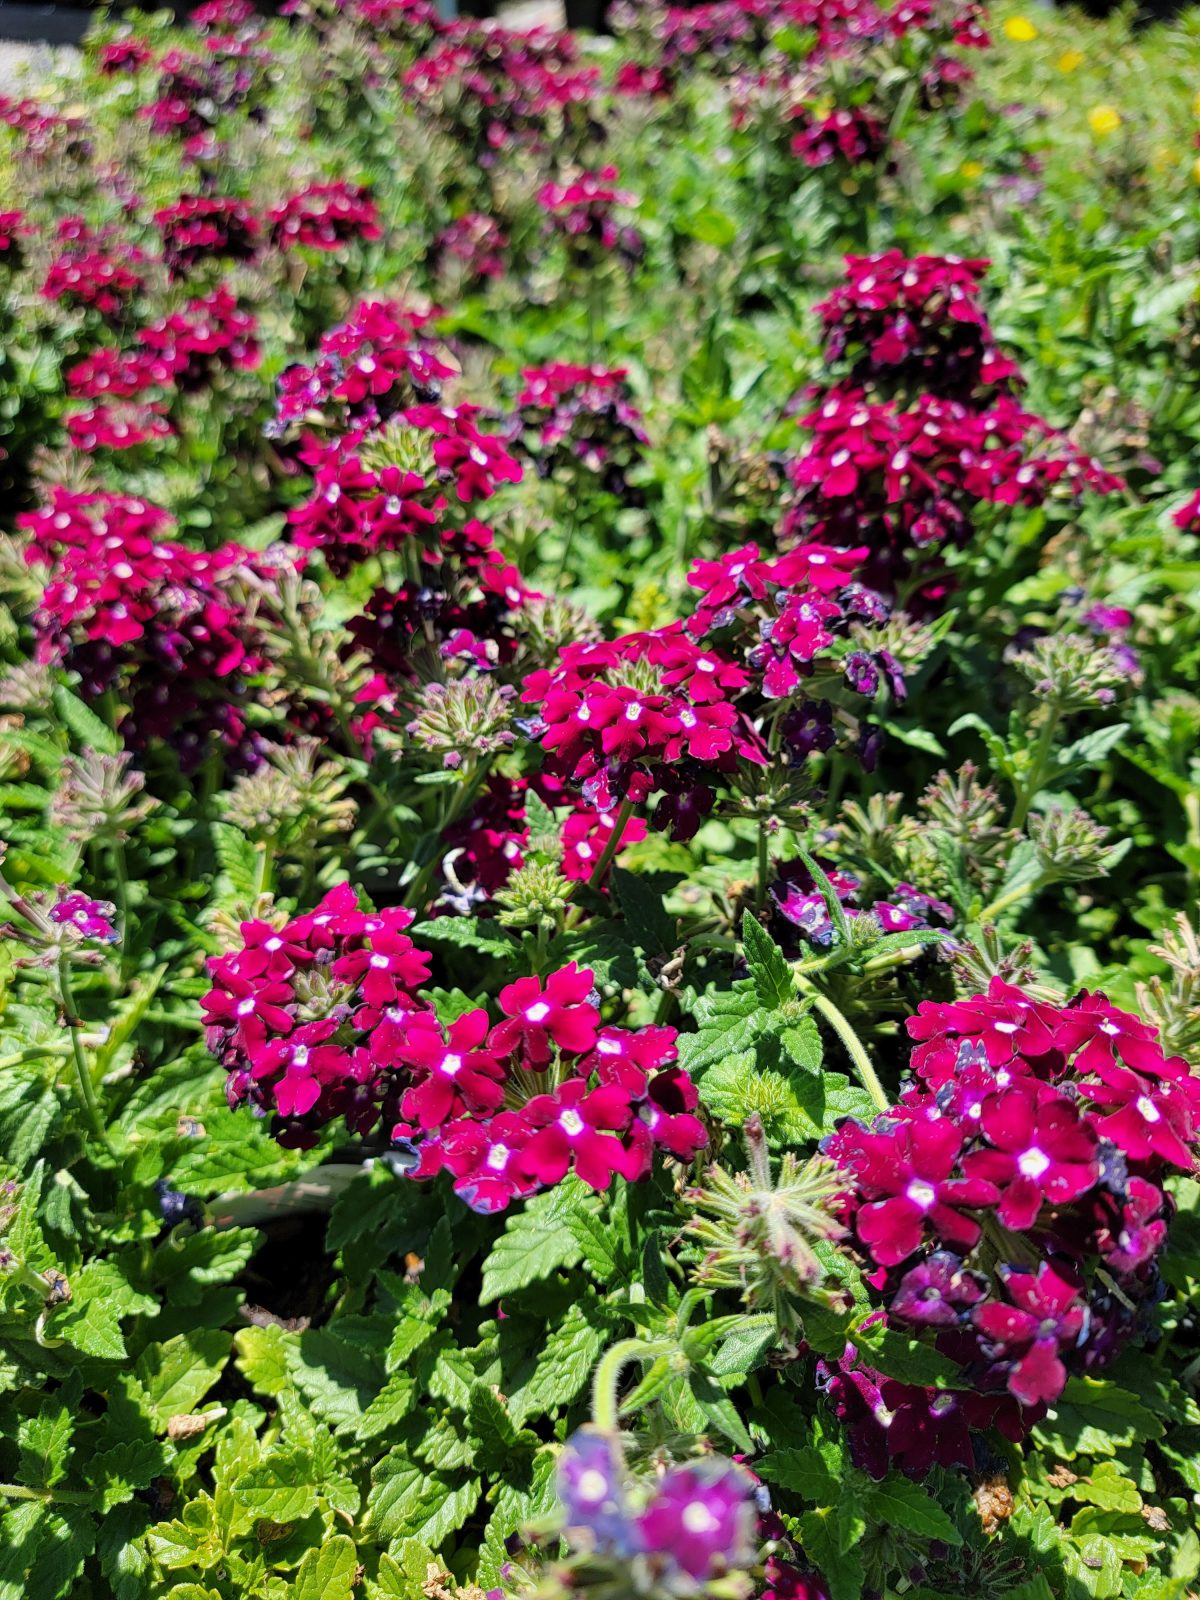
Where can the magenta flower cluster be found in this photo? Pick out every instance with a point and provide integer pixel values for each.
(643, 714)
(320, 1020)
(1012, 1203)
(920, 430)
(571, 414)
(126, 607)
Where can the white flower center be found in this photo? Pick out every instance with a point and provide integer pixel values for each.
(497, 1157)
(245, 1007)
(451, 1064)
(697, 1518)
(1148, 1109)
(1033, 1162)
(379, 961)
(921, 1194)
(571, 1123)
(537, 1012)
(593, 1486)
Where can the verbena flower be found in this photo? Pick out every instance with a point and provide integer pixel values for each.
(1012, 1204)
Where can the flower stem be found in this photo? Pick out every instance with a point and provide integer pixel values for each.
(606, 1412)
(764, 867)
(72, 1497)
(611, 848)
(1038, 768)
(82, 1071)
(868, 1077)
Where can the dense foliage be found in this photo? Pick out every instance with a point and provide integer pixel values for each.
(598, 724)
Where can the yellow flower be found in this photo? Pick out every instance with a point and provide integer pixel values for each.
(1164, 158)
(1196, 106)
(1196, 170)
(1020, 30)
(1103, 120)
(1069, 60)
(972, 170)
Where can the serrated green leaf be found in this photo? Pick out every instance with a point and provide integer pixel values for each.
(177, 1374)
(897, 1502)
(773, 981)
(535, 1242)
(83, 724)
(328, 1573)
(280, 1487)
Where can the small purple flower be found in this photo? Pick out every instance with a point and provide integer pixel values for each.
(861, 673)
(590, 1478)
(91, 919)
(808, 730)
(701, 1519)
(937, 1292)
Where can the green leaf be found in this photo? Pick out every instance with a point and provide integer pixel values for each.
(100, 1297)
(804, 1471)
(178, 1374)
(535, 1242)
(238, 859)
(45, 1442)
(280, 1487)
(729, 1023)
(897, 1502)
(842, 1569)
(118, 1474)
(565, 1362)
(652, 926)
(327, 1573)
(84, 725)
(469, 933)
(773, 981)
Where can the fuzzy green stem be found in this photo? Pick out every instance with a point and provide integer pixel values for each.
(764, 867)
(613, 845)
(70, 1497)
(854, 1049)
(606, 1412)
(83, 1073)
(1021, 892)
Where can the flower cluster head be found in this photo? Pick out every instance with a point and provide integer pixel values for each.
(1187, 518)
(1012, 1203)
(320, 1020)
(646, 713)
(494, 839)
(492, 89)
(124, 55)
(406, 484)
(115, 427)
(70, 927)
(89, 274)
(324, 216)
(367, 369)
(206, 227)
(908, 478)
(801, 905)
(209, 334)
(471, 250)
(676, 1534)
(570, 414)
(123, 604)
(850, 135)
(801, 622)
(585, 211)
(917, 322)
